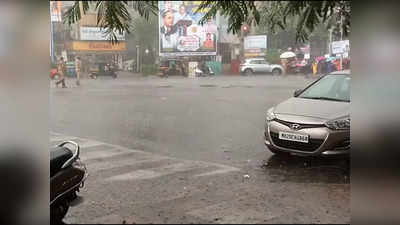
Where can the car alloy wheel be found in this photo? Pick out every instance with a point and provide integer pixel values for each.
(276, 72)
(248, 72)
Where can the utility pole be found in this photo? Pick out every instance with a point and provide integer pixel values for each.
(330, 41)
(341, 39)
(51, 36)
(137, 58)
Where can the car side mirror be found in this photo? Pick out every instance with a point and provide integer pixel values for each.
(297, 92)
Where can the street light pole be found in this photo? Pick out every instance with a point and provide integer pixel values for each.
(330, 41)
(341, 39)
(137, 58)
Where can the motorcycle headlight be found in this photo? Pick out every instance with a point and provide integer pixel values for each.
(270, 115)
(342, 123)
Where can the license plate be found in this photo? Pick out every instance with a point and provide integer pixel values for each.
(293, 137)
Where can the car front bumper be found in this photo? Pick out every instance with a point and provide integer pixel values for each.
(322, 140)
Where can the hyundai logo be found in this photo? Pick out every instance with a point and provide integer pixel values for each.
(295, 126)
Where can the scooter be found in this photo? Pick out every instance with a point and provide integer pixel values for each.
(67, 176)
(208, 72)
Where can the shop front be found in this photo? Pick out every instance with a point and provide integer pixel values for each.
(96, 51)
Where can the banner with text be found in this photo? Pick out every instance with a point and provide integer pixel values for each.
(96, 34)
(255, 45)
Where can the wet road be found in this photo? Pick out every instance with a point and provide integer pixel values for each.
(181, 150)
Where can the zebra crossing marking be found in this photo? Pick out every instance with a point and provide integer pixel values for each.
(131, 157)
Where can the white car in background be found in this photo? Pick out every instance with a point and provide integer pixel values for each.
(261, 66)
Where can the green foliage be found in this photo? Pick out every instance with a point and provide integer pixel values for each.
(145, 32)
(272, 56)
(307, 15)
(149, 69)
(237, 12)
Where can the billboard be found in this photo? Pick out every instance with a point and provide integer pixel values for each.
(96, 34)
(255, 45)
(179, 31)
(339, 47)
(55, 11)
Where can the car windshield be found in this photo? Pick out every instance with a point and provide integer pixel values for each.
(330, 87)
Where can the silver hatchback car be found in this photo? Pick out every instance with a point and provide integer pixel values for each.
(316, 121)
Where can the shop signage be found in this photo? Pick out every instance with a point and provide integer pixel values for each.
(97, 46)
(96, 34)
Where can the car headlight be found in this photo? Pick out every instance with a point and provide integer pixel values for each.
(270, 115)
(342, 123)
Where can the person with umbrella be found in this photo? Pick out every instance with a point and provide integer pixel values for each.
(287, 60)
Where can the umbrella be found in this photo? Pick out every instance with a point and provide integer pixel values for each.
(330, 59)
(286, 55)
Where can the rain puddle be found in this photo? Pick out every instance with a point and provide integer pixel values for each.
(307, 169)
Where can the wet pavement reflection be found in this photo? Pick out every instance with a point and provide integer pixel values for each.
(288, 168)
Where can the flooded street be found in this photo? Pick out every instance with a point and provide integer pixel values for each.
(182, 150)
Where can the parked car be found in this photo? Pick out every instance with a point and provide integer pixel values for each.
(260, 65)
(316, 121)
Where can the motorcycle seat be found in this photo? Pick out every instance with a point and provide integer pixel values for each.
(58, 156)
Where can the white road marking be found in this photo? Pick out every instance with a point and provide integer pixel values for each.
(101, 154)
(224, 169)
(156, 172)
(106, 165)
(131, 159)
(61, 138)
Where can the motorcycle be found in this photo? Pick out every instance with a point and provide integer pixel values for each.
(67, 176)
(103, 69)
(205, 72)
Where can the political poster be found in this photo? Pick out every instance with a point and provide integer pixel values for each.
(55, 11)
(180, 33)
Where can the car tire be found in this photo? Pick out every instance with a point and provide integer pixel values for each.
(276, 72)
(248, 72)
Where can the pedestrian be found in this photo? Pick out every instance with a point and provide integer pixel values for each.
(78, 67)
(323, 66)
(314, 67)
(183, 66)
(337, 65)
(329, 66)
(62, 69)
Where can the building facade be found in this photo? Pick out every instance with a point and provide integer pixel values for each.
(87, 40)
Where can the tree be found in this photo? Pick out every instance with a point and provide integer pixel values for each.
(113, 16)
(145, 34)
